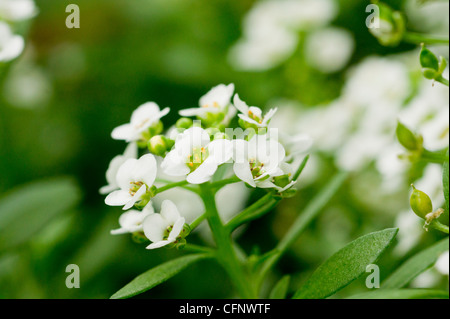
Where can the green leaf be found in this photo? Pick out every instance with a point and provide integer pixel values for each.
(27, 209)
(415, 265)
(403, 294)
(157, 275)
(346, 265)
(280, 289)
(445, 178)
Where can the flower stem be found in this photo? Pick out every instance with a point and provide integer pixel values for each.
(442, 80)
(170, 186)
(312, 210)
(226, 254)
(198, 221)
(417, 38)
(222, 183)
(439, 226)
(438, 157)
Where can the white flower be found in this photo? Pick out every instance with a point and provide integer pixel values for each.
(131, 221)
(213, 103)
(329, 50)
(258, 160)
(17, 10)
(164, 228)
(134, 177)
(11, 46)
(442, 263)
(196, 156)
(130, 152)
(253, 114)
(144, 117)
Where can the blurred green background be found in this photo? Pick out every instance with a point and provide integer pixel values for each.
(62, 98)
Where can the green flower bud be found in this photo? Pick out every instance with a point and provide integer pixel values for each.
(408, 139)
(156, 129)
(428, 60)
(420, 203)
(184, 123)
(139, 237)
(392, 26)
(160, 145)
(181, 244)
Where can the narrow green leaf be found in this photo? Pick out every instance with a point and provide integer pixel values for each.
(281, 288)
(415, 265)
(27, 209)
(403, 294)
(445, 178)
(157, 275)
(346, 265)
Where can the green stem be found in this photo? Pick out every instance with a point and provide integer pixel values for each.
(418, 38)
(438, 157)
(198, 221)
(442, 80)
(311, 211)
(300, 168)
(222, 183)
(260, 207)
(439, 226)
(170, 186)
(225, 253)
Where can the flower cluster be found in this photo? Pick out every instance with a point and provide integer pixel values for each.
(12, 12)
(192, 152)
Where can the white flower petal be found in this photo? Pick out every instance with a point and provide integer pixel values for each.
(124, 132)
(243, 172)
(154, 227)
(136, 197)
(240, 105)
(203, 173)
(176, 230)
(220, 150)
(145, 169)
(169, 212)
(117, 198)
(159, 244)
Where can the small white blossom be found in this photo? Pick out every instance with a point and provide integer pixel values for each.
(144, 117)
(196, 156)
(130, 152)
(134, 178)
(213, 103)
(17, 10)
(164, 228)
(442, 263)
(257, 160)
(131, 221)
(253, 114)
(11, 45)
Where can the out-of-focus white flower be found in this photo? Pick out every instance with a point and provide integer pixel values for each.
(270, 31)
(11, 45)
(17, 10)
(164, 228)
(28, 86)
(144, 117)
(329, 50)
(378, 80)
(134, 178)
(131, 221)
(130, 152)
(442, 263)
(410, 231)
(257, 160)
(253, 114)
(431, 184)
(196, 156)
(217, 100)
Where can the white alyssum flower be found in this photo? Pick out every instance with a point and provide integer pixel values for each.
(131, 221)
(11, 45)
(253, 114)
(329, 50)
(146, 116)
(130, 152)
(164, 228)
(195, 156)
(214, 104)
(442, 264)
(257, 160)
(17, 10)
(135, 177)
